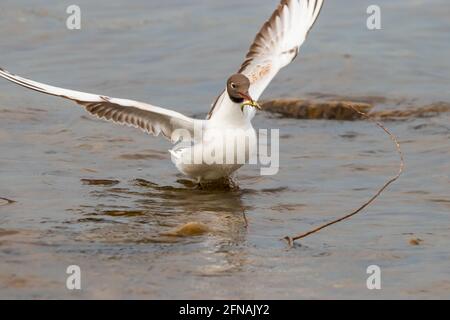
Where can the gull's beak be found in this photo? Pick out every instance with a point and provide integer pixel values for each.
(249, 101)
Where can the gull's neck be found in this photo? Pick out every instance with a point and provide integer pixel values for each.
(229, 113)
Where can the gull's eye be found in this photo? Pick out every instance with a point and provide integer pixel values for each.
(233, 86)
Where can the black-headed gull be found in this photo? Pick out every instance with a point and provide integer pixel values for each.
(275, 46)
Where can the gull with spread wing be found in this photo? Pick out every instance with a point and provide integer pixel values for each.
(275, 46)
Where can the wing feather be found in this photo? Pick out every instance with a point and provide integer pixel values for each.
(151, 119)
(278, 42)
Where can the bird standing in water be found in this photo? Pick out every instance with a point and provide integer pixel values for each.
(275, 46)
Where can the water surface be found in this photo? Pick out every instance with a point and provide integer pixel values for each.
(103, 197)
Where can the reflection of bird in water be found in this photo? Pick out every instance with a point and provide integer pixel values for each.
(163, 209)
(145, 217)
(275, 46)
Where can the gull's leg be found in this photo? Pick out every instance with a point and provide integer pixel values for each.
(244, 215)
(199, 185)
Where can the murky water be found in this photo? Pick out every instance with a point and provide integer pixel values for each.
(105, 197)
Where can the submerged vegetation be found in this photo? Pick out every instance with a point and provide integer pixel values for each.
(345, 109)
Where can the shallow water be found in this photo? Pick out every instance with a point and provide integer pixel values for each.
(104, 197)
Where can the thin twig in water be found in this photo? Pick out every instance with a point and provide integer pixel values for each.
(291, 240)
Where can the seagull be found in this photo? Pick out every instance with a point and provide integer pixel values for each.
(275, 46)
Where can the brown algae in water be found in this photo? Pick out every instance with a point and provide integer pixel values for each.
(5, 201)
(190, 229)
(415, 242)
